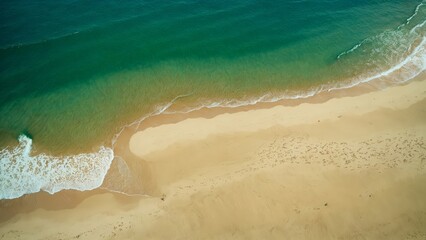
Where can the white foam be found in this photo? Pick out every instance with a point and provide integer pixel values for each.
(234, 103)
(372, 39)
(159, 110)
(22, 173)
(416, 10)
(407, 69)
(231, 103)
(353, 48)
(417, 27)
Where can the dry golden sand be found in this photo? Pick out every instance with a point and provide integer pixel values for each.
(348, 168)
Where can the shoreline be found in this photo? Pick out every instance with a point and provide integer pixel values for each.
(311, 94)
(167, 118)
(154, 120)
(179, 123)
(360, 175)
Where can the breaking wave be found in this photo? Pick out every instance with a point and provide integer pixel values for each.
(23, 173)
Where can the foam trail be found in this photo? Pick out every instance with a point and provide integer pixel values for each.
(267, 98)
(158, 111)
(353, 48)
(124, 193)
(416, 10)
(22, 173)
(416, 59)
(417, 27)
(407, 21)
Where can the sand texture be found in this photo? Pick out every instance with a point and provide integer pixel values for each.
(347, 168)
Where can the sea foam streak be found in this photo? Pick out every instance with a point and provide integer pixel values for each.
(22, 173)
(372, 39)
(407, 69)
(353, 48)
(414, 14)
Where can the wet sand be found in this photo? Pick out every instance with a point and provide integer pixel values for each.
(347, 168)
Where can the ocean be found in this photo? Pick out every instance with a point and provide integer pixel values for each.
(74, 74)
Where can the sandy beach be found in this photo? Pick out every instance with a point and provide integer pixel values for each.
(347, 168)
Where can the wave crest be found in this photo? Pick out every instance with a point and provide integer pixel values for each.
(22, 173)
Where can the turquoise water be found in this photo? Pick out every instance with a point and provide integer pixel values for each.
(73, 73)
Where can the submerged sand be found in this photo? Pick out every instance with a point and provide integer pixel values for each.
(347, 168)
